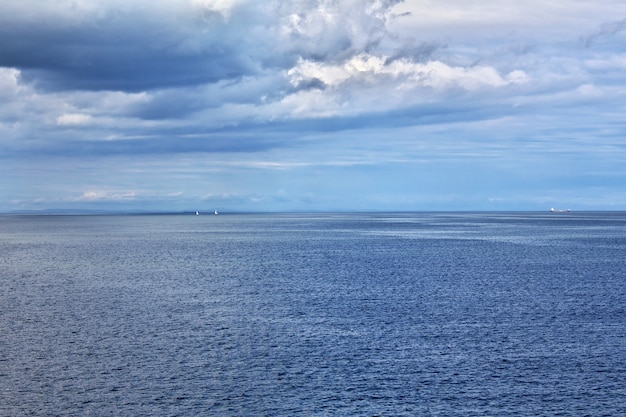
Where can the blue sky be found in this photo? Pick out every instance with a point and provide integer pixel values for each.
(242, 105)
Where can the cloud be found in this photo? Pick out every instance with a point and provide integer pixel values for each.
(106, 195)
(143, 46)
(9, 82)
(244, 98)
(403, 83)
(480, 23)
(330, 30)
(113, 46)
(74, 119)
(606, 30)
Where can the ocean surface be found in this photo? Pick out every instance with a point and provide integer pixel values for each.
(385, 314)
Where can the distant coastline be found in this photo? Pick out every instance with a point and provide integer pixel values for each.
(105, 212)
(79, 212)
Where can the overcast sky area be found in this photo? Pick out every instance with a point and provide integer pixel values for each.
(248, 105)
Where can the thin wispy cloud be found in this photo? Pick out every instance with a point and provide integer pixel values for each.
(429, 95)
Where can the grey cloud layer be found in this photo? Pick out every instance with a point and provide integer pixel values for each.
(144, 46)
(216, 78)
(124, 50)
(220, 64)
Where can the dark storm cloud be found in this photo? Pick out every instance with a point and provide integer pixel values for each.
(122, 52)
(145, 47)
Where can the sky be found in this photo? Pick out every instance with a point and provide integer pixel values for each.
(336, 105)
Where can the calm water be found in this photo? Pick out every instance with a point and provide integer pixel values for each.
(423, 314)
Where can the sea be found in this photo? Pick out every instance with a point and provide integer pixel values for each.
(313, 314)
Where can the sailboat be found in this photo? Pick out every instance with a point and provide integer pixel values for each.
(197, 213)
(216, 212)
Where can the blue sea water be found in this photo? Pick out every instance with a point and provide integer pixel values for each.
(385, 314)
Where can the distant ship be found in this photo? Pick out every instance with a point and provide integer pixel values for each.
(216, 212)
(553, 210)
(197, 213)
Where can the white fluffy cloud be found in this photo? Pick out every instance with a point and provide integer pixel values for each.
(9, 82)
(369, 84)
(74, 119)
(370, 69)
